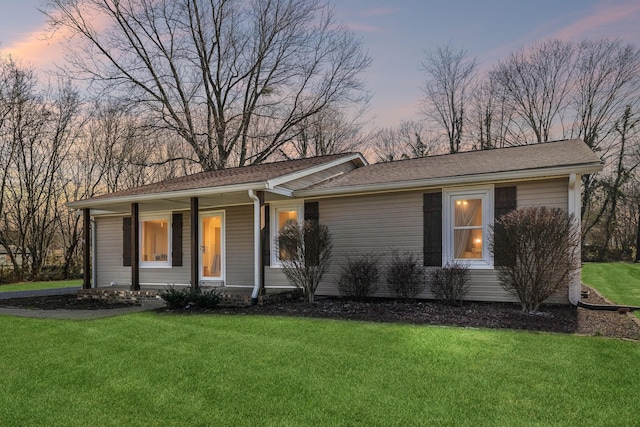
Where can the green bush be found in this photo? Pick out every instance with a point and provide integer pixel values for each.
(181, 298)
(359, 276)
(450, 283)
(405, 275)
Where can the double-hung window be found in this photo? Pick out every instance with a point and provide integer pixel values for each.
(155, 241)
(467, 216)
(280, 216)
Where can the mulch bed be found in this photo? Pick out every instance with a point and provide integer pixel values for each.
(561, 319)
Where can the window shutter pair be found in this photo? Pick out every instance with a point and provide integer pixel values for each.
(176, 240)
(505, 201)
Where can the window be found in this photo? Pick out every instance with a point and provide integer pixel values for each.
(467, 215)
(281, 215)
(155, 242)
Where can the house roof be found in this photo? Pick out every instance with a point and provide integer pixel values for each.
(262, 176)
(549, 159)
(535, 160)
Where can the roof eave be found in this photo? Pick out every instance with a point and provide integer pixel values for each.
(137, 198)
(275, 182)
(453, 180)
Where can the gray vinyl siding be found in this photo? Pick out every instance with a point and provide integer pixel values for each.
(382, 222)
(239, 245)
(108, 248)
(239, 252)
(551, 193)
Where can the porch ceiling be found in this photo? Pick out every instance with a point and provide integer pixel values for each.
(183, 203)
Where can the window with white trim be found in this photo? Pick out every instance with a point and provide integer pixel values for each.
(155, 241)
(468, 214)
(280, 216)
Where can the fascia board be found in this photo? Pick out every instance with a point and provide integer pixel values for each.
(452, 180)
(137, 198)
(275, 182)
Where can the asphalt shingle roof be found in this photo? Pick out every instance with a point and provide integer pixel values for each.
(519, 158)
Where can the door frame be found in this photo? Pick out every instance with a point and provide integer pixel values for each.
(223, 237)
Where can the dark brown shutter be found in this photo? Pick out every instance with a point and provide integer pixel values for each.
(266, 240)
(311, 211)
(176, 240)
(505, 201)
(126, 241)
(432, 214)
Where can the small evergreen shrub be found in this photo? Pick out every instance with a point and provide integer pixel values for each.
(405, 275)
(450, 283)
(359, 276)
(181, 298)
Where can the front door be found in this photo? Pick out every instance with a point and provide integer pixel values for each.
(212, 246)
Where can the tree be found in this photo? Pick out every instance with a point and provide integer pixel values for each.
(232, 78)
(537, 249)
(409, 140)
(40, 131)
(536, 82)
(308, 254)
(449, 73)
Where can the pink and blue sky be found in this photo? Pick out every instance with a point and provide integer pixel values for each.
(396, 34)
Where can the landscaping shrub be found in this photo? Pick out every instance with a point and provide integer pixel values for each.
(450, 283)
(181, 298)
(535, 251)
(405, 275)
(308, 247)
(359, 275)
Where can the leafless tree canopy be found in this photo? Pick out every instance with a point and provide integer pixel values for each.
(449, 73)
(233, 78)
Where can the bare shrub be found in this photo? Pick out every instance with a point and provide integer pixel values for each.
(308, 254)
(359, 276)
(535, 251)
(450, 283)
(405, 275)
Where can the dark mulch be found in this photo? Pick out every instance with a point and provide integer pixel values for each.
(562, 319)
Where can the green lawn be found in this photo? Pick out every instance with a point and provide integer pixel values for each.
(29, 286)
(619, 282)
(217, 370)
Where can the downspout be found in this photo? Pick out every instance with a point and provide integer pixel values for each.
(574, 201)
(256, 247)
(94, 273)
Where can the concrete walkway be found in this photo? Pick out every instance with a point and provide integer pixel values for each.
(68, 314)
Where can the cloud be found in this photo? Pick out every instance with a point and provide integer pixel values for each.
(604, 16)
(37, 48)
(379, 12)
(362, 28)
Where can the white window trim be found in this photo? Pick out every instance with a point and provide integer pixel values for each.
(273, 226)
(484, 193)
(156, 264)
(223, 247)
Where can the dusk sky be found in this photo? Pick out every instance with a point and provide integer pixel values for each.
(397, 33)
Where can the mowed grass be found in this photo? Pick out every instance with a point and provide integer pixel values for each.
(216, 370)
(29, 286)
(619, 282)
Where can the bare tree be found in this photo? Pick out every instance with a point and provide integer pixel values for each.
(332, 131)
(232, 78)
(39, 126)
(449, 73)
(409, 140)
(536, 82)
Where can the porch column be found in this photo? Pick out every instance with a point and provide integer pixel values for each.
(86, 255)
(135, 247)
(195, 248)
(574, 205)
(260, 195)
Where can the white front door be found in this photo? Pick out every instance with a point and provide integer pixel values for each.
(212, 242)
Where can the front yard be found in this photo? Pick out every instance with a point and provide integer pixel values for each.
(163, 369)
(618, 281)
